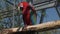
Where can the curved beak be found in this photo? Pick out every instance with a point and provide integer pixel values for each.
(18, 8)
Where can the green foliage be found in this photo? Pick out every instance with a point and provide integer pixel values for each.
(1, 26)
(0, 11)
(58, 1)
(43, 12)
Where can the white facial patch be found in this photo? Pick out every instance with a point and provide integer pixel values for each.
(21, 5)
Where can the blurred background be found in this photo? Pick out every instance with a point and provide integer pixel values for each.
(47, 10)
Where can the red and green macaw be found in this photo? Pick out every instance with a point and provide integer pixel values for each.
(27, 11)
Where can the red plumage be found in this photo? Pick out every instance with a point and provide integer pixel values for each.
(26, 13)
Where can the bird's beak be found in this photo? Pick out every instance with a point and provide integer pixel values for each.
(18, 8)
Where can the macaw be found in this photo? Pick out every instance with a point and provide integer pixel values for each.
(25, 7)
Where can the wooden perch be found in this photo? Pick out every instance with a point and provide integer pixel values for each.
(39, 27)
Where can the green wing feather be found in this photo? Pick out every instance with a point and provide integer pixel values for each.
(33, 18)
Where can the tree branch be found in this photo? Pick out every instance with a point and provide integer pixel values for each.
(39, 27)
